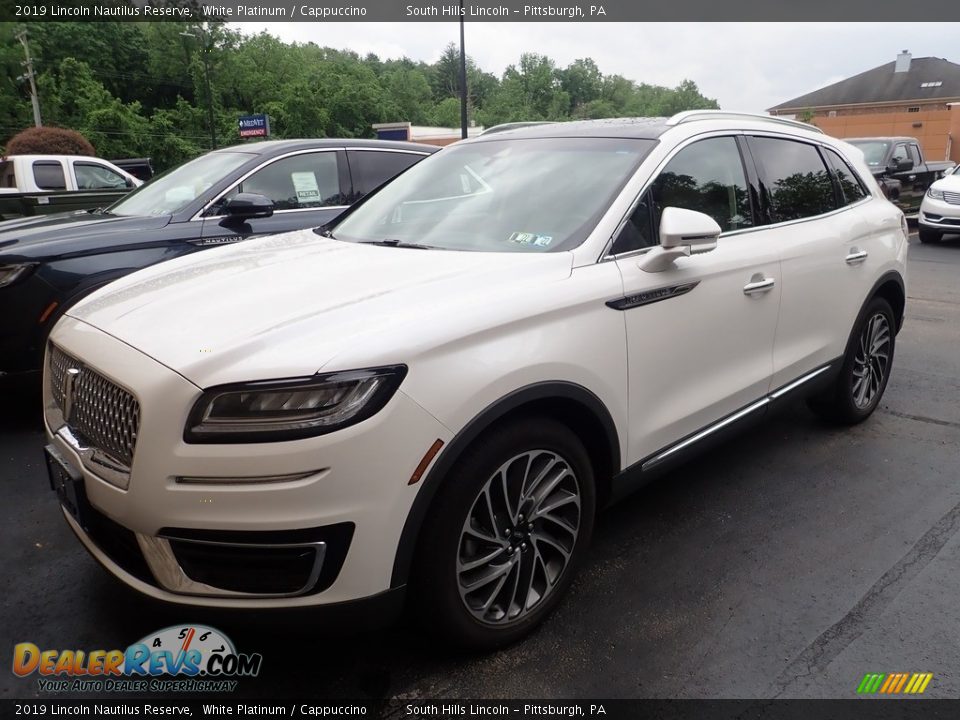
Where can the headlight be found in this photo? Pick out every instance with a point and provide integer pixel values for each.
(934, 194)
(9, 274)
(277, 410)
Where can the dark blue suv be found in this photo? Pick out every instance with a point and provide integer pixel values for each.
(49, 263)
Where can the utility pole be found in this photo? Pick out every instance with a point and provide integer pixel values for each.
(205, 56)
(28, 63)
(463, 80)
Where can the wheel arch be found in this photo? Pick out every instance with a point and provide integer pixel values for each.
(574, 405)
(891, 288)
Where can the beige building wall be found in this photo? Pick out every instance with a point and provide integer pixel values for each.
(937, 128)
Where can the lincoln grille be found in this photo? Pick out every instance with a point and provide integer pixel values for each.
(952, 197)
(104, 414)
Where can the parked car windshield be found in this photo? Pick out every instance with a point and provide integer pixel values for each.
(521, 195)
(173, 191)
(874, 151)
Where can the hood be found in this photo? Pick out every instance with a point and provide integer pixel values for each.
(951, 183)
(74, 232)
(284, 306)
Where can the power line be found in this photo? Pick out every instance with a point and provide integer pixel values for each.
(124, 132)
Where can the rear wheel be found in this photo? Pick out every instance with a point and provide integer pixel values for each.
(505, 535)
(863, 377)
(929, 236)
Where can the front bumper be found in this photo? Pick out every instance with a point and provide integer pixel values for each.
(170, 539)
(940, 215)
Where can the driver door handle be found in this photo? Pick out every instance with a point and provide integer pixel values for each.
(855, 256)
(758, 285)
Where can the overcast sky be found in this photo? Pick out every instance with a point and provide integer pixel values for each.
(745, 66)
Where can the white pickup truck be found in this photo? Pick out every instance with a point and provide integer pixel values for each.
(42, 184)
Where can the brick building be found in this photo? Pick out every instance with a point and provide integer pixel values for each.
(916, 97)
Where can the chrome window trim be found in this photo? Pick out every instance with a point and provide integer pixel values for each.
(389, 150)
(606, 256)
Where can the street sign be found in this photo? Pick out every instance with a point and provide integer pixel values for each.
(254, 126)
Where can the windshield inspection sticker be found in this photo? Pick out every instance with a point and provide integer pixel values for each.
(526, 238)
(305, 183)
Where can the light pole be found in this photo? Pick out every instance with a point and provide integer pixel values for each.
(205, 52)
(463, 80)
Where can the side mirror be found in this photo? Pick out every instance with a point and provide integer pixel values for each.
(682, 233)
(243, 206)
(900, 165)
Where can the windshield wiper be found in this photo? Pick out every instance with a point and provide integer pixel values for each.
(391, 242)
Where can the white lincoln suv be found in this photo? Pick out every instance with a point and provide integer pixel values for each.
(940, 209)
(434, 397)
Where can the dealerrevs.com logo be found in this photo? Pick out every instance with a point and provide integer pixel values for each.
(197, 658)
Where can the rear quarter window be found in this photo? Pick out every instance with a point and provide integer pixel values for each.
(852, 188)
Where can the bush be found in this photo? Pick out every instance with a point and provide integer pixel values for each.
(49, 141)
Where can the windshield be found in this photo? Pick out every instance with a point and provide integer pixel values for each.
(522, 195)
(173, 191)
(874, 151)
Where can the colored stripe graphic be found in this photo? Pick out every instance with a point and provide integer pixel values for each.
(894, 683)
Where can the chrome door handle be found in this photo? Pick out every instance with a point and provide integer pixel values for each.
(856, 257)
(911, 178)
(759, 285)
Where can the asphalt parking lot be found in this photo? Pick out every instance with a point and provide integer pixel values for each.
(787, 564)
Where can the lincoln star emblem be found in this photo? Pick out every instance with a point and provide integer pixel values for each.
(69, 378)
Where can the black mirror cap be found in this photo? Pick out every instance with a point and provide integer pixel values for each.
(248, 205)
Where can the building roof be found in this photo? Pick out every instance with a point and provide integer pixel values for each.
(883, 85)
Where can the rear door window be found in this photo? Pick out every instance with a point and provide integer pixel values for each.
(914, 154)
(371, 168)
(796, 182)
(48, 175)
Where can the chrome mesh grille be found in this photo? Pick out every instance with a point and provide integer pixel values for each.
(952, 197)
(106, 415)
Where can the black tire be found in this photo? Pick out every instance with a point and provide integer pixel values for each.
(929, 236)
(848, 401)
(447, 547)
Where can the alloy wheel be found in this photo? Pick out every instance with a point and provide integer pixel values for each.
(518, 537)
(871, 361)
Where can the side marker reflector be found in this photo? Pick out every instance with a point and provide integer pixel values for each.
(46, 313)
(425, 462)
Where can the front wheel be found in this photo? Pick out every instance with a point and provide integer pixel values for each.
(505, 535)
(929, 236)
(863, 377)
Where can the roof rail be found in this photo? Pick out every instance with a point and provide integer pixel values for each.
(692, 115)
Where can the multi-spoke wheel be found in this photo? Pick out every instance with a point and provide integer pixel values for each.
(872, 359)
(505, 534)
(866, 367)
(518, 537)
